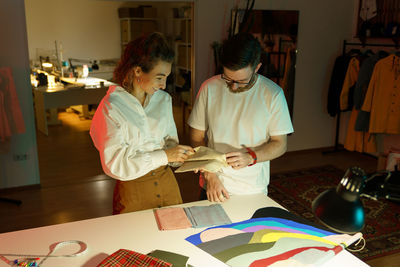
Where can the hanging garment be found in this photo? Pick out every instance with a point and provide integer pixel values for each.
(368, 9)
(336, 83)
(364, 76)
(346, 95)
(355, 141)
(360, 90)
(383, 97)
(11, 120)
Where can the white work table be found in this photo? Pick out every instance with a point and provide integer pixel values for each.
(135, 231)
(82, 91)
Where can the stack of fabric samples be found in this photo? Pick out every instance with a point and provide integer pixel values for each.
(196, 216)
(272, 237)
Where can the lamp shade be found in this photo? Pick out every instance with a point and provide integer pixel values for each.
(340, 208)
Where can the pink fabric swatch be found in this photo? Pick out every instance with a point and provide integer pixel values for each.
(171, 219)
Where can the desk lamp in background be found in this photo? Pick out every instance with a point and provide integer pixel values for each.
(340, 208)
(45, 64)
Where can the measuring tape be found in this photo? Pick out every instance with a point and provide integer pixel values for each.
(53, 248)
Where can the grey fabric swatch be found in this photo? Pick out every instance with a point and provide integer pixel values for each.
(205, 216)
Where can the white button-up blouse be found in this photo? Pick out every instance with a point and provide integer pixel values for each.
(130, 137)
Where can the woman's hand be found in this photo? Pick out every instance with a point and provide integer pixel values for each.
(179, 153)
(216, 191)
(238, 160)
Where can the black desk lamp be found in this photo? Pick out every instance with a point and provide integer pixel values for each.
(340, 208)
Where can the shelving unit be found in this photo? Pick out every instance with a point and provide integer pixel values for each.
(184, 64)
(133, 27)
(183, 56)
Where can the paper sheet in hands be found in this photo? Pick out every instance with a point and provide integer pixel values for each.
(204, 158)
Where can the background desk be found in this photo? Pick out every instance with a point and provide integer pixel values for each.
(135, 231)
(57, 97)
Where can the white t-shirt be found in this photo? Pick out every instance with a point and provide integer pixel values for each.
(130, 137)
(235, 119)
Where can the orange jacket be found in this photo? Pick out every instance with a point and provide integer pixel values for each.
(349, 81)
(383, 97)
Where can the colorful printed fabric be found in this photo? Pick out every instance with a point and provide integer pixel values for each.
(269, 240)
(128, 258)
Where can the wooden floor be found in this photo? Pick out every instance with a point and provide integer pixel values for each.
(73, 186)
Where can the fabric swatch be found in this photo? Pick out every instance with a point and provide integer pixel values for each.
(204, 216)
(204, 158)
(129, 258)
(171, 218)
(177, 260)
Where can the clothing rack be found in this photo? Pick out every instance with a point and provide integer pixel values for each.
(336, 147)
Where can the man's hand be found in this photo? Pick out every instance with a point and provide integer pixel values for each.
(238, 160)
(216, 191)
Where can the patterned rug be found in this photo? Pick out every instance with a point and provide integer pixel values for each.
(295, 190)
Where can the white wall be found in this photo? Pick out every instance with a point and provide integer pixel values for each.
(86, 29)
(14, 54)
(322, 27)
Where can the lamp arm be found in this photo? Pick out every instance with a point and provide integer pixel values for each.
(379, 173)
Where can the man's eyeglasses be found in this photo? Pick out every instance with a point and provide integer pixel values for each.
(231, 82)
(240, 85)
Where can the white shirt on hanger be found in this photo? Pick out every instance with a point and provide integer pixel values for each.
(368, 9)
